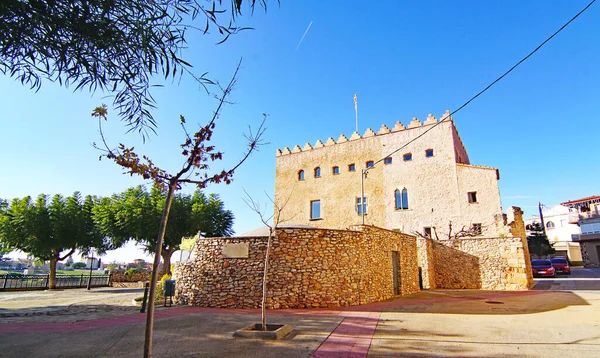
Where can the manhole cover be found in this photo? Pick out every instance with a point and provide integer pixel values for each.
(494, 302)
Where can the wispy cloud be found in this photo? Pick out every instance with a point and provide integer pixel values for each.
(303, 36)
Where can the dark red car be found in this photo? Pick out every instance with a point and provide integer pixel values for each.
(561, 265)
(543, 268)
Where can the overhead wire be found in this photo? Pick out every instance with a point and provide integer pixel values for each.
(486, 88)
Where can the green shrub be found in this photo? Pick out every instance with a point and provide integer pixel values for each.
(159, 293)
(129, 272)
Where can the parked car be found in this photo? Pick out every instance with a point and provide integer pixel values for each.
(543, 268)
(561, 265)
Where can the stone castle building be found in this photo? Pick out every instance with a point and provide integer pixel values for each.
(331, 259)
(428, 184)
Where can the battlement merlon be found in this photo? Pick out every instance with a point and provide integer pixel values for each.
(415, 123)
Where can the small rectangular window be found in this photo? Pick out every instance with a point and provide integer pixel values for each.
(427, 231)
(315, 209)
(336, 170)
(407, 157)
(477, 229)
(429, 153)
(369, 164)
(387, 160)
(361, 205)
(351, 167)
(472, 196)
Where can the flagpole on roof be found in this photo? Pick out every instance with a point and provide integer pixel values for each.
(356, 110)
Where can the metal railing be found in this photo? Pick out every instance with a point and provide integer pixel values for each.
(576, 217)
(36, 282)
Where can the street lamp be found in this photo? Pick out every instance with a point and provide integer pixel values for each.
(89, 285)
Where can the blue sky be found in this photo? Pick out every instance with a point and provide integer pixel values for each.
(403, 59)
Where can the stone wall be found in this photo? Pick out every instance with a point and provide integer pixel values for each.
(308, 268)
(589, 253)
(135, 276)
(425, 256)
(478, 263)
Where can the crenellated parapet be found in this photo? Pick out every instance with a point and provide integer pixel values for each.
(398, 127)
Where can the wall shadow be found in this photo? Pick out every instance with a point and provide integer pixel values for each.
(477, 302)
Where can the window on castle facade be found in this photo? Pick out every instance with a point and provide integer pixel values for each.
(317, 172)
(351, 167)
(387, 160)
(407, 157)
(429, 153)
(472, 196)
(477, 229)
(301, 175)
(335, 170)
(550, 225)
(361, 205)
(401, 199)
(427, 232)
(315, 209)
(369, 164)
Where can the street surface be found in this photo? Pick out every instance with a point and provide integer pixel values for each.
(558, 318)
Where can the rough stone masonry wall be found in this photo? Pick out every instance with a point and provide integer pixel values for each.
(480, 263)
(307, 268)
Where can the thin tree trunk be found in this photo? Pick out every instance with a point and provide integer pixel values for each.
(52, 278)
(157, 256)
(166, 256)
(264, 285)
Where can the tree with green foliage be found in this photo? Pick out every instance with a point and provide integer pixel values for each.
(79, 265)
(69, 261)
(136, 214)
(51, 230)
(117, 46)
(537, 241)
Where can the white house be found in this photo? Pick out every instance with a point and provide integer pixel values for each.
(561, 232)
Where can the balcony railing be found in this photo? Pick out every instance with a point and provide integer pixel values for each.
(575, 218)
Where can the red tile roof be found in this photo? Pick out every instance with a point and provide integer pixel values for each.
(582, 200)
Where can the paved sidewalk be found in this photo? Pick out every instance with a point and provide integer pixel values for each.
(539, 323)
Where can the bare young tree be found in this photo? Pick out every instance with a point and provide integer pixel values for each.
(198, 154)
(276, 219)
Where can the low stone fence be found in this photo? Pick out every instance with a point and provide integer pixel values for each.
(476, 263)
(134, 276)
(308, 268)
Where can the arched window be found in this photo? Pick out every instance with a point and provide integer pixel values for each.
(317, 172)
(550, 225)
(301, 175)
(401, 199)
(335, 170)
(404, 199)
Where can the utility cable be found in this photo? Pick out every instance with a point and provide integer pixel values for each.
(488, 86)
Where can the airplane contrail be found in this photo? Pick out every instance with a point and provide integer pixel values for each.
(302, 39)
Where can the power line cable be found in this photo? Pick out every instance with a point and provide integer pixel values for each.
(486, 88)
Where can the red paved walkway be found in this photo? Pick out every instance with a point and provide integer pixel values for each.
(351, 338)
